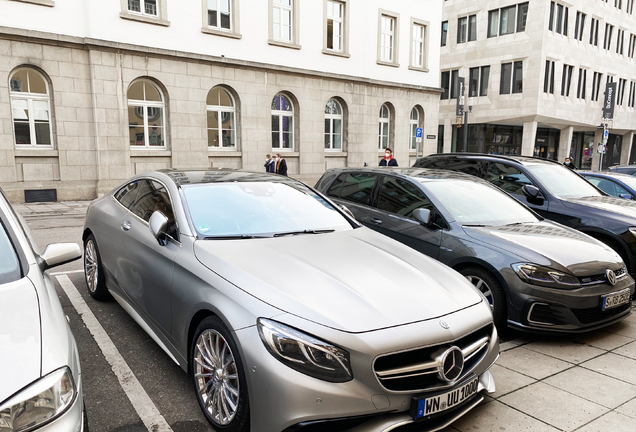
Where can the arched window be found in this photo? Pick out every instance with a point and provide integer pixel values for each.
(414, 124)
(221, 119)
(31, 108)
(385, 121)
(146, 114)
(333, 125)
(282, 123)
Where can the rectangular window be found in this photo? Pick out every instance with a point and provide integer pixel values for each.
(444, 32)
(621, 91)
(219, 14)
(620, 36)
(632, 94)
(566, 80)
(506, 77)
(548, 79)
(607, 41)
(472, 28)
(580, 90)
(462, 29)
(387, 38)
(559, 14)
(632, 45)
(517, 77)
(596, 85)
(445, 83)
(551, 20)
(507, 22)
(282, 20)
(454, 84)
(473, 82)
(418, 43)
(629, 8)
(579, 26)
(483, 84)
(493, 23)
(522, 17)
(618, 4)
(335, 25)
(594, 32)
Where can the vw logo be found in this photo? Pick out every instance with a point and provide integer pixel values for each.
(451, 364)
(610, 276)
(444, 324)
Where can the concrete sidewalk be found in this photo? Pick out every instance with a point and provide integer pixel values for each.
(64, 208)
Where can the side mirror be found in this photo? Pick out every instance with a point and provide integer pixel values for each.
(626, 196)
(423, 216)
(347, 211)
(533, 194)
(159, 226)
(60, 253)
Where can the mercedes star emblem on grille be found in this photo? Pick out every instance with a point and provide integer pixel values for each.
(611, 277)
(444, 324)
(451, 364)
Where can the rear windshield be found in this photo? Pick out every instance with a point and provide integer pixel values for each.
(9, 264)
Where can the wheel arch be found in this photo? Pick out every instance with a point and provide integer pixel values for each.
(476, 262)
(611, 239)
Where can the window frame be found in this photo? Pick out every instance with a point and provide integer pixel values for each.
(444, 40)
(344, 52)
(223, 109)
(596, 86)
(331, 118)
(425, 41)
(513, 78)
(418, 123)
(295, 30)
(30, 98)
(390, 122)
(481, 81)
(548, 79)
(281, 114)
(233, 32)
(607, 39)
(582, 84)
(160, 19)
(394, 61)
(566, 79)
(462, 29)
(148, 104)
(579, 25)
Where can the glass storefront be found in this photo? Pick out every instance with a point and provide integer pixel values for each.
(546, 144)
(489, 138)
(582, 149)
(613, 152)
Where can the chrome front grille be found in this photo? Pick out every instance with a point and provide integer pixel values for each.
(602, 278)
(418, 369)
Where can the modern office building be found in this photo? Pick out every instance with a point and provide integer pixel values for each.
(92, 92)
(535, 75)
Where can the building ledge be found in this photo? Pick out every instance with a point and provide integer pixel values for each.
(144, 19)
(284, 44)
(227, 34)
(149, 153)
(49, 3)
(224, 153)
(35, 153)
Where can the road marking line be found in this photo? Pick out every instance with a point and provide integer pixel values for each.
(140, 400)
(66, 272)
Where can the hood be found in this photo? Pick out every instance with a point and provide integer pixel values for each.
(610, 204)
(20, 340)
(550, 244)
(354, 280)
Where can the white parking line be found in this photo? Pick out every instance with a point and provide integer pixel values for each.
(140, 400)
(66, 272)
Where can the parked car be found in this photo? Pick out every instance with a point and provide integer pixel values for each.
(524, 264)
(288, 314)
(556, 193)
(614, 184)
(40, 377)
(624, 169)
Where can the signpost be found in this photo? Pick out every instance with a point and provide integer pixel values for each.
(461, 111)
(418, 141)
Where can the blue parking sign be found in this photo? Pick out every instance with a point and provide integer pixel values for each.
(418, 133)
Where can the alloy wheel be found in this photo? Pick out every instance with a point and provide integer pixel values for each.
(91, 267)
(216, 377)
(482, 286)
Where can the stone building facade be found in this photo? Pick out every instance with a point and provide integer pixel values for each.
(118, 108)
(561, 55)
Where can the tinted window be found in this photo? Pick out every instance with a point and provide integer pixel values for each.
(468, 166)
(507, 177)
(9, 264)
(357, 187)
(334, 189)
(126, 195)
(153, 196)
(401, 197)
(608, 186)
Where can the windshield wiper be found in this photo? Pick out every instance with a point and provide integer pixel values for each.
(473, 226)
(304, 232)
(233, 237)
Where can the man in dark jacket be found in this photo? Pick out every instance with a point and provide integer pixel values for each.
(270, 165)
(281, 165)
(568, 163)
(388, 159)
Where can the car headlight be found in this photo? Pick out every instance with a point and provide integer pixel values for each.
(39, 403)
(305, 353)
(545, 276)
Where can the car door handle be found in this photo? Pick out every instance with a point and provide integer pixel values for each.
(126, 226)
(375, 220)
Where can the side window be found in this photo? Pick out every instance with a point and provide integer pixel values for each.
(336, 186)
(401, 197)
(153, 196)
(507, 178)
(9, 264)
(358, 187)
(611, 188)
(467, 166)
(126, 195)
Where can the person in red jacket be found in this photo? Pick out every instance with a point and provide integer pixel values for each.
(388, 159)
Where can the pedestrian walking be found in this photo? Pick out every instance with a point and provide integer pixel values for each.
(270, 165)
(388, 159)
(281, 165)
(568, 163)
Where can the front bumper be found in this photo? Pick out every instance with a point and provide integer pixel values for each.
(551, 310)
(282, 399)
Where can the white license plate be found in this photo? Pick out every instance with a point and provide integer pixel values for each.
(429, 405)
(615, 299)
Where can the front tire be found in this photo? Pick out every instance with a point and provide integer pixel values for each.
(491, 288)
(93, 270)
(219, 378)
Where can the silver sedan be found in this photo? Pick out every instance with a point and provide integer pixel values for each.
(287, 314)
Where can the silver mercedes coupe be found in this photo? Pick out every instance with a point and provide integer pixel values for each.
(288, 314)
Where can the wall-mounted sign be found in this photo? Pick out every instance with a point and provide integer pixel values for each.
(430, 136)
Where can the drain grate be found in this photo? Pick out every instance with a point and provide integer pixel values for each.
(40, 195)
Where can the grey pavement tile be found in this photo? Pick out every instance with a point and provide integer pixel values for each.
(505, 346)
(611, 422)
(531, 363)
(614, 365)
(567, 350)
(593, 386)
(497, 417)
(603, 340)
(628, 409)
(623, 328)
(628, 350)
(556, 407)
(507, 380)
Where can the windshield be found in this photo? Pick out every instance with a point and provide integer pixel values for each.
(562, 182)
(478, 204)
(9, 264)
(259, 209)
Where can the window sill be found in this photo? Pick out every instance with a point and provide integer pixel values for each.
(335, 53)
(215, 152)
(335, 153)
(286, 153)
(215, 32)
(36, 152)
(418, 69)
(136, 152)
(283, 44)
(144, 19)
(386, 63)
(49, 3)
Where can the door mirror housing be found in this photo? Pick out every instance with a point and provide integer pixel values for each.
(159, 227)
(626, 196)
(59, 253)
(533, 194)
(423, 216)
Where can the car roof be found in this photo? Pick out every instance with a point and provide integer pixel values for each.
(183, 177)
(523, 160)
(617, 176)
(421, 174)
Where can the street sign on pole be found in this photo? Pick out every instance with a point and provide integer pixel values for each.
(418, 133)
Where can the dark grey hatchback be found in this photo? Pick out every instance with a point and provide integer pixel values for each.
(536, 274)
